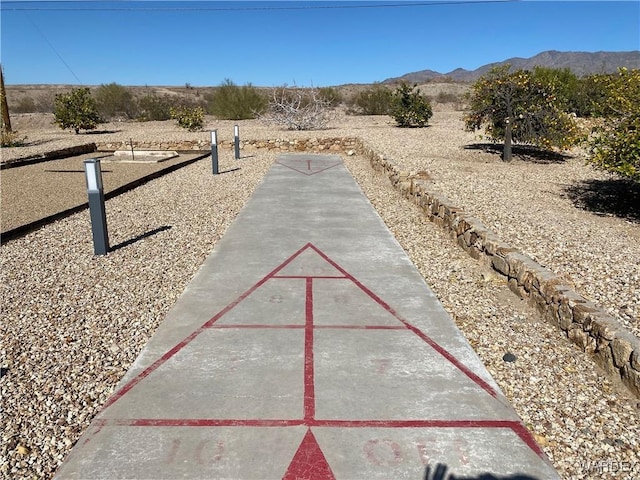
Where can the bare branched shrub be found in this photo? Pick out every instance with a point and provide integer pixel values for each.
(298, 109)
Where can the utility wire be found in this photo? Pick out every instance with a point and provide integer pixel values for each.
(53, 48)
(64, 6)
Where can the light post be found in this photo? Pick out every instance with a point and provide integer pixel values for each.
(93, 176)
(236, 141)
(214, 151)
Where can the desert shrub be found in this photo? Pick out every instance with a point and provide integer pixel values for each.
(297, 109)
(375, 100)
(11, 139)
(330, 95)
(191, 118)
(615, 144)
(231, 102)
(76, 110)
(45, 103)
(154, 108)
(115, 101)
(42, 104)
(447, 97)
(409, 107)
(24, 105)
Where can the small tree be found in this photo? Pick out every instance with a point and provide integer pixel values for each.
(191, 118)
(375, 100)
(615, 145)
(298, 109)
(564, 84)
(516, 107)
(231, 102)
(409, 107)
(114, 100)
(593, 95)
(76, 110)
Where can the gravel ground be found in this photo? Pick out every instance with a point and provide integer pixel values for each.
(73, 324)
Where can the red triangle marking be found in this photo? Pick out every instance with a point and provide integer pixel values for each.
(274, 274)
(309, 263)
(309, 463)
(308, 166)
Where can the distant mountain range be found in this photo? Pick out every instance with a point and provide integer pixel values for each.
(580, 63)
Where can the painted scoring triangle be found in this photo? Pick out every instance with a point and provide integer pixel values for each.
(309, 165)
(309, 263)
(309, 463)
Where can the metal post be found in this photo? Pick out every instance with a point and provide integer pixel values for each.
(97, 211)
(506, 152)
(236, 140)
(214, 151)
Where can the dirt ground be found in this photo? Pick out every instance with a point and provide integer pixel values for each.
(33, 192)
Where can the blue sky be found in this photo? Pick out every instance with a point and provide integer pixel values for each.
(306, 43)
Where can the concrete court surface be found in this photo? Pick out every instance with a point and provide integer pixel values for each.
(307, 346)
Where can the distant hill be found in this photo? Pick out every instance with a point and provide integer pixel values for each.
(580, 63)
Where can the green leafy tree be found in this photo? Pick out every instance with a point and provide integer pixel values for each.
(594, 94)
(191, 118)
(115, 101)
(231, 102)
(76, 110)
(375, 100)
(515, 107)
(615, 144)
(409, 107)
(563, 82)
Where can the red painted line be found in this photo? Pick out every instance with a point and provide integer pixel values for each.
(307, 173)
(226, 422)
(490, 424)
(476, 379)
(150, 369)
(219, 327)
(308, 164)
(517, 427)
(325, 277)
(309, 379)
(196, 422)
(527, 438)
(360, 327)
(309, 463)
(322, 327)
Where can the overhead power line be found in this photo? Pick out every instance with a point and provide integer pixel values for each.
(52, 47)
(215, 6)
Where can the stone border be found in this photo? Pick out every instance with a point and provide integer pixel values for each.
(316, 145)
(615, 349)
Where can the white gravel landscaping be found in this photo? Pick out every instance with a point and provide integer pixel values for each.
(72, 324)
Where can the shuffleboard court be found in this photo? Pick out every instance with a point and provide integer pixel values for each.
(308, 346)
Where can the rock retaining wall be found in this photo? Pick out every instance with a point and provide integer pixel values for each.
(316, 145)
(614, 348)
